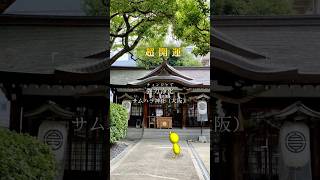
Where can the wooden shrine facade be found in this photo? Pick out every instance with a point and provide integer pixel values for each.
(272, 91)
(162, 94)
(60, 91)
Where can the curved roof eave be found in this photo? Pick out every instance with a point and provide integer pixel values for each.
(176, 79)
(222, 41)
(242, 67)
(252, 70)
(165, 67)
(92, 67)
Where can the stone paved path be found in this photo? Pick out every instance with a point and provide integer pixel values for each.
(151, 159)
(203, 150)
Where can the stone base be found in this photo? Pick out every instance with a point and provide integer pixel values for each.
(202, 139)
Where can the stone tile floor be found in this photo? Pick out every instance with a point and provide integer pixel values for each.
(151, 159)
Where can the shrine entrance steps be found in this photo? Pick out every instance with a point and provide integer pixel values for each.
(152, 133)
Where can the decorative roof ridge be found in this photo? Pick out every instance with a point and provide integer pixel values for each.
(52, 107)
(297, 107)
(126, 95)
(165, 68)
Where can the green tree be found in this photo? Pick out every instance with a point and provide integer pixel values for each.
(192, 24)
(132, 21)
(252, 7)
(186, 58)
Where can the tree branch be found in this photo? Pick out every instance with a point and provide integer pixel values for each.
(206, 30)
(112, 39)
(125, 50)
(114, 15)
(128, 31)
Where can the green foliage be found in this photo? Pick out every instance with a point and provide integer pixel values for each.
(94, 7)
(118, 122)
(186, 59)
(24, 157)
(135, 20)
(252, 7)
(132, 21)
(192, 24)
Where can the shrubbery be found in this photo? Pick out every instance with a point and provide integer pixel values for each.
(118, 122)
(24, 157)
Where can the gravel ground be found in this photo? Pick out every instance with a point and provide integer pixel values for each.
(116, 149)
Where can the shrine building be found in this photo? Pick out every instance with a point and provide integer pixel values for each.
(54, 77)
(163, 97)
(265, 83)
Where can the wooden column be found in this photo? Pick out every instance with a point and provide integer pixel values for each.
(15, 109)
(237, 148)
(237, 155)
(105, 156)
(145, 111)
(315, 149)
(184, 114)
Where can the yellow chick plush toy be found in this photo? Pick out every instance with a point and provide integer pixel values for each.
(174, 139)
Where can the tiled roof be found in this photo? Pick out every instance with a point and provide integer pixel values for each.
(126, 75)
(47, 7)
(291, 42)
(42, 48)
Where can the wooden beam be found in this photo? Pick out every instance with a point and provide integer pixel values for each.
(184, 114)
(145, 111)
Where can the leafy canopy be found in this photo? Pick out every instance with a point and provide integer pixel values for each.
(192, 24)
(186, 58)
(132, 21)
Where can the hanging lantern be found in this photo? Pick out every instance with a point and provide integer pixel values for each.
(295, 144)
(202, 111)
(127, 104)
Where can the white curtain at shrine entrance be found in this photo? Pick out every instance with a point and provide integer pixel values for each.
(295, 162)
